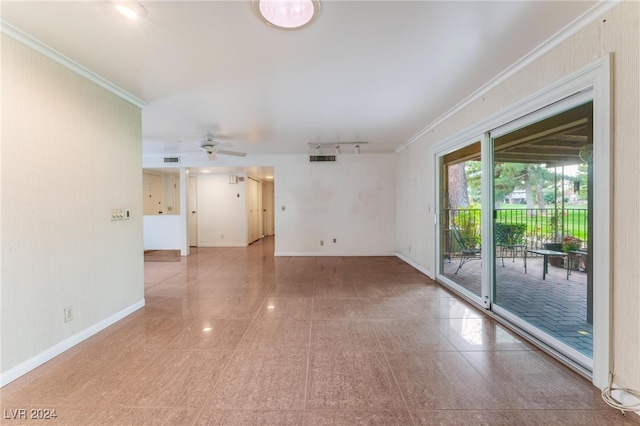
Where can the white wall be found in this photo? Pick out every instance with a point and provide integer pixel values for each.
(162, 232)
(70, 153)
(352, 200)
(222, 211)
(617, 32)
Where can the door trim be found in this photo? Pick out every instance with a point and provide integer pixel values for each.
(594, 77)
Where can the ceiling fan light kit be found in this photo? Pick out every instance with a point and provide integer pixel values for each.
(287, 14)
(212, 147)
(131, 9)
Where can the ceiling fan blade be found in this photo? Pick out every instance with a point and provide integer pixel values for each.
(234, 153)
(219, 144)
(195, 147)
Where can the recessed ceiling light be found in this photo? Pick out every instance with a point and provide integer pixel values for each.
(287, 14)
(131, 9)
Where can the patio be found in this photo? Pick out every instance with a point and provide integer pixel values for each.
(556, 305)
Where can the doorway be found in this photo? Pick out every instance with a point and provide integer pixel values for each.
(545, 179)
(543, 210)
(460, 221)
(192, 212)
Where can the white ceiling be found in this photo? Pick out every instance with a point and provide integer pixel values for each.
(376, 71)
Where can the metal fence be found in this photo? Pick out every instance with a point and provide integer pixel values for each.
(542, 225)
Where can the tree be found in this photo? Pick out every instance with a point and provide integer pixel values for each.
(583, 181)
(458, 193)
(507, 176)
(474, 180)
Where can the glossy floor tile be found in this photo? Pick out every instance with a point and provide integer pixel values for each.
(234, 336)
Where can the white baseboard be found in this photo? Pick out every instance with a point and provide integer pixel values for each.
(214, 245)
(415, 265)
(36, 361)
(330, 254)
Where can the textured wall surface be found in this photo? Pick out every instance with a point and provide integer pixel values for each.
(352, 200)
(615, 32)
(71, 153)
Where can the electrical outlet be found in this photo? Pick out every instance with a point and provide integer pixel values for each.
(334, 241)
(68, 313)
(222, 236)
(321, 242)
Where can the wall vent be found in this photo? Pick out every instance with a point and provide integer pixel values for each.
(171, 159)
(321, 158)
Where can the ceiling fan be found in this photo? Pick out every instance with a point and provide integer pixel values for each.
(212, 147)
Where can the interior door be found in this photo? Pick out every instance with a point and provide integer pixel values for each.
(253, 201)
(268, 208)
(192, 212)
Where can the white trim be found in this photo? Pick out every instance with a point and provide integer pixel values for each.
(420, 268)
(582, 79)
(582, 360)
(214, 245)
(39, 359)
(333, 253)
(572, 28)
(595, 78)
(58, 57)
(602, 225)
(487, 207)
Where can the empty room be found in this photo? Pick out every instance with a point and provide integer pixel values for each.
(303, 212)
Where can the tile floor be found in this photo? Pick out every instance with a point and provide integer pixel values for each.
(556, 305)
(238, 337)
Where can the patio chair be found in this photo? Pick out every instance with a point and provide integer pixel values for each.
(468, 247)
(510, 238)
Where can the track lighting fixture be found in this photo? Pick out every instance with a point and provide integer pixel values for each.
(336, 146)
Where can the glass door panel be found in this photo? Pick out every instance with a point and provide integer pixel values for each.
(461, 247)
(542, 226)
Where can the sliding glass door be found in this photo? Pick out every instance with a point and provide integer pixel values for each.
(542, 230)
(515, 227)
(524, 216)
(460, 219)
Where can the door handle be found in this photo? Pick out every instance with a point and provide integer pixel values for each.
(193, 212)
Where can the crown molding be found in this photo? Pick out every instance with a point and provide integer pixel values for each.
(554, 41)
(58, 57)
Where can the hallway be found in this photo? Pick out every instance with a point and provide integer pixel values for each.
(234, 336)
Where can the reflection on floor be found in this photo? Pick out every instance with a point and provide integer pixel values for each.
(556, 305)
(237, 337)
(162, 256)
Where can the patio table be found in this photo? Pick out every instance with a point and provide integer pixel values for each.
(545, 255)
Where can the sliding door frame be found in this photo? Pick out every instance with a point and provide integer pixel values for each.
(593, 79)
(559, 107)
(442, 150)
